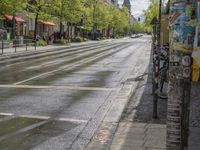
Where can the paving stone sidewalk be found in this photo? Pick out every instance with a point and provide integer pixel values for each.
(194, 130)
(139, 136)
(138, 131)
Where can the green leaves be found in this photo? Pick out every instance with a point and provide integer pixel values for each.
(12, 6)
(40, 8)
(67, 10)
(90, 12)
(151, 12)
(104, 16)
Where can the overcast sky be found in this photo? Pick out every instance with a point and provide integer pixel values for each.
(137, 6)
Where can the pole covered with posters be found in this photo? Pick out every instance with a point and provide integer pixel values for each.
(182, 32)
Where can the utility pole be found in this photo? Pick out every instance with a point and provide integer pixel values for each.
(157, 63)
(181, 46)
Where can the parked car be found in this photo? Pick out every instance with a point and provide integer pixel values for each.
(136, 35)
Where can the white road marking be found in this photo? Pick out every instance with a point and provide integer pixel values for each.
(71, 120)
(34, 117)
(81, 62)
(6, 114)
(58, 87)
(40, 75)
(45, 117)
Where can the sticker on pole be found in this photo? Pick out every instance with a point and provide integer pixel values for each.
(186, 72)
(186, 60)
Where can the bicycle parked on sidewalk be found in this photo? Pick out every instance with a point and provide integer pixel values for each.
(160, 71)
(163, 72)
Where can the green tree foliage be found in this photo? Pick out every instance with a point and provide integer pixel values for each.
(139, 27)
(12, 6)
(101, 16)
(95, 14)
(122, 20)
(151, 12)
(68, 11)
(40, 10)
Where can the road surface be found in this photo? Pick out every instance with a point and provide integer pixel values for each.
(57, 99)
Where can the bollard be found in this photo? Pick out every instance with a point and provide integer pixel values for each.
(35, 45)
(2, 46)
(26, 46)
(15, 45)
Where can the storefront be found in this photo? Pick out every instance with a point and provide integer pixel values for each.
(20, 29)
(45, 28)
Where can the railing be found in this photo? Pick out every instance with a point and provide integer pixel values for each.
(17, 45)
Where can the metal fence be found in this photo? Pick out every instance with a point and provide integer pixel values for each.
(17, 45)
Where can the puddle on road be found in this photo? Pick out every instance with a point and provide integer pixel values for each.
(36, 136)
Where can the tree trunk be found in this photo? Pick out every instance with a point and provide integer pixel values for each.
(14, 26)
(68, 33)
(113, 32)
(61, 28)
(36, 23)
(94, 20)
(108, 32)
(71, 32)
(61, 19)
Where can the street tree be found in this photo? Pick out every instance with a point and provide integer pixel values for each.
(102, 16)
(40, 9)
(68, 11)
(12, 7)
(151, 12)
(97, 15)
(87, 16)
(123, 25)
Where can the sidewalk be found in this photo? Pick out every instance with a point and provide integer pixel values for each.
(32, 49)
(138, 131)
(194, 137)
(139, 136)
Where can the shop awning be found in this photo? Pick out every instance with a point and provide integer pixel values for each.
(47, 23)
(18, 19)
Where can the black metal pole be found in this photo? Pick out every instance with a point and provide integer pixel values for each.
(157, 65)
(2, 45)
(26, 45)
(35, 44)
(15, 45)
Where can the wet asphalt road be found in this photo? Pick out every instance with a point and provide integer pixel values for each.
(49, 99)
